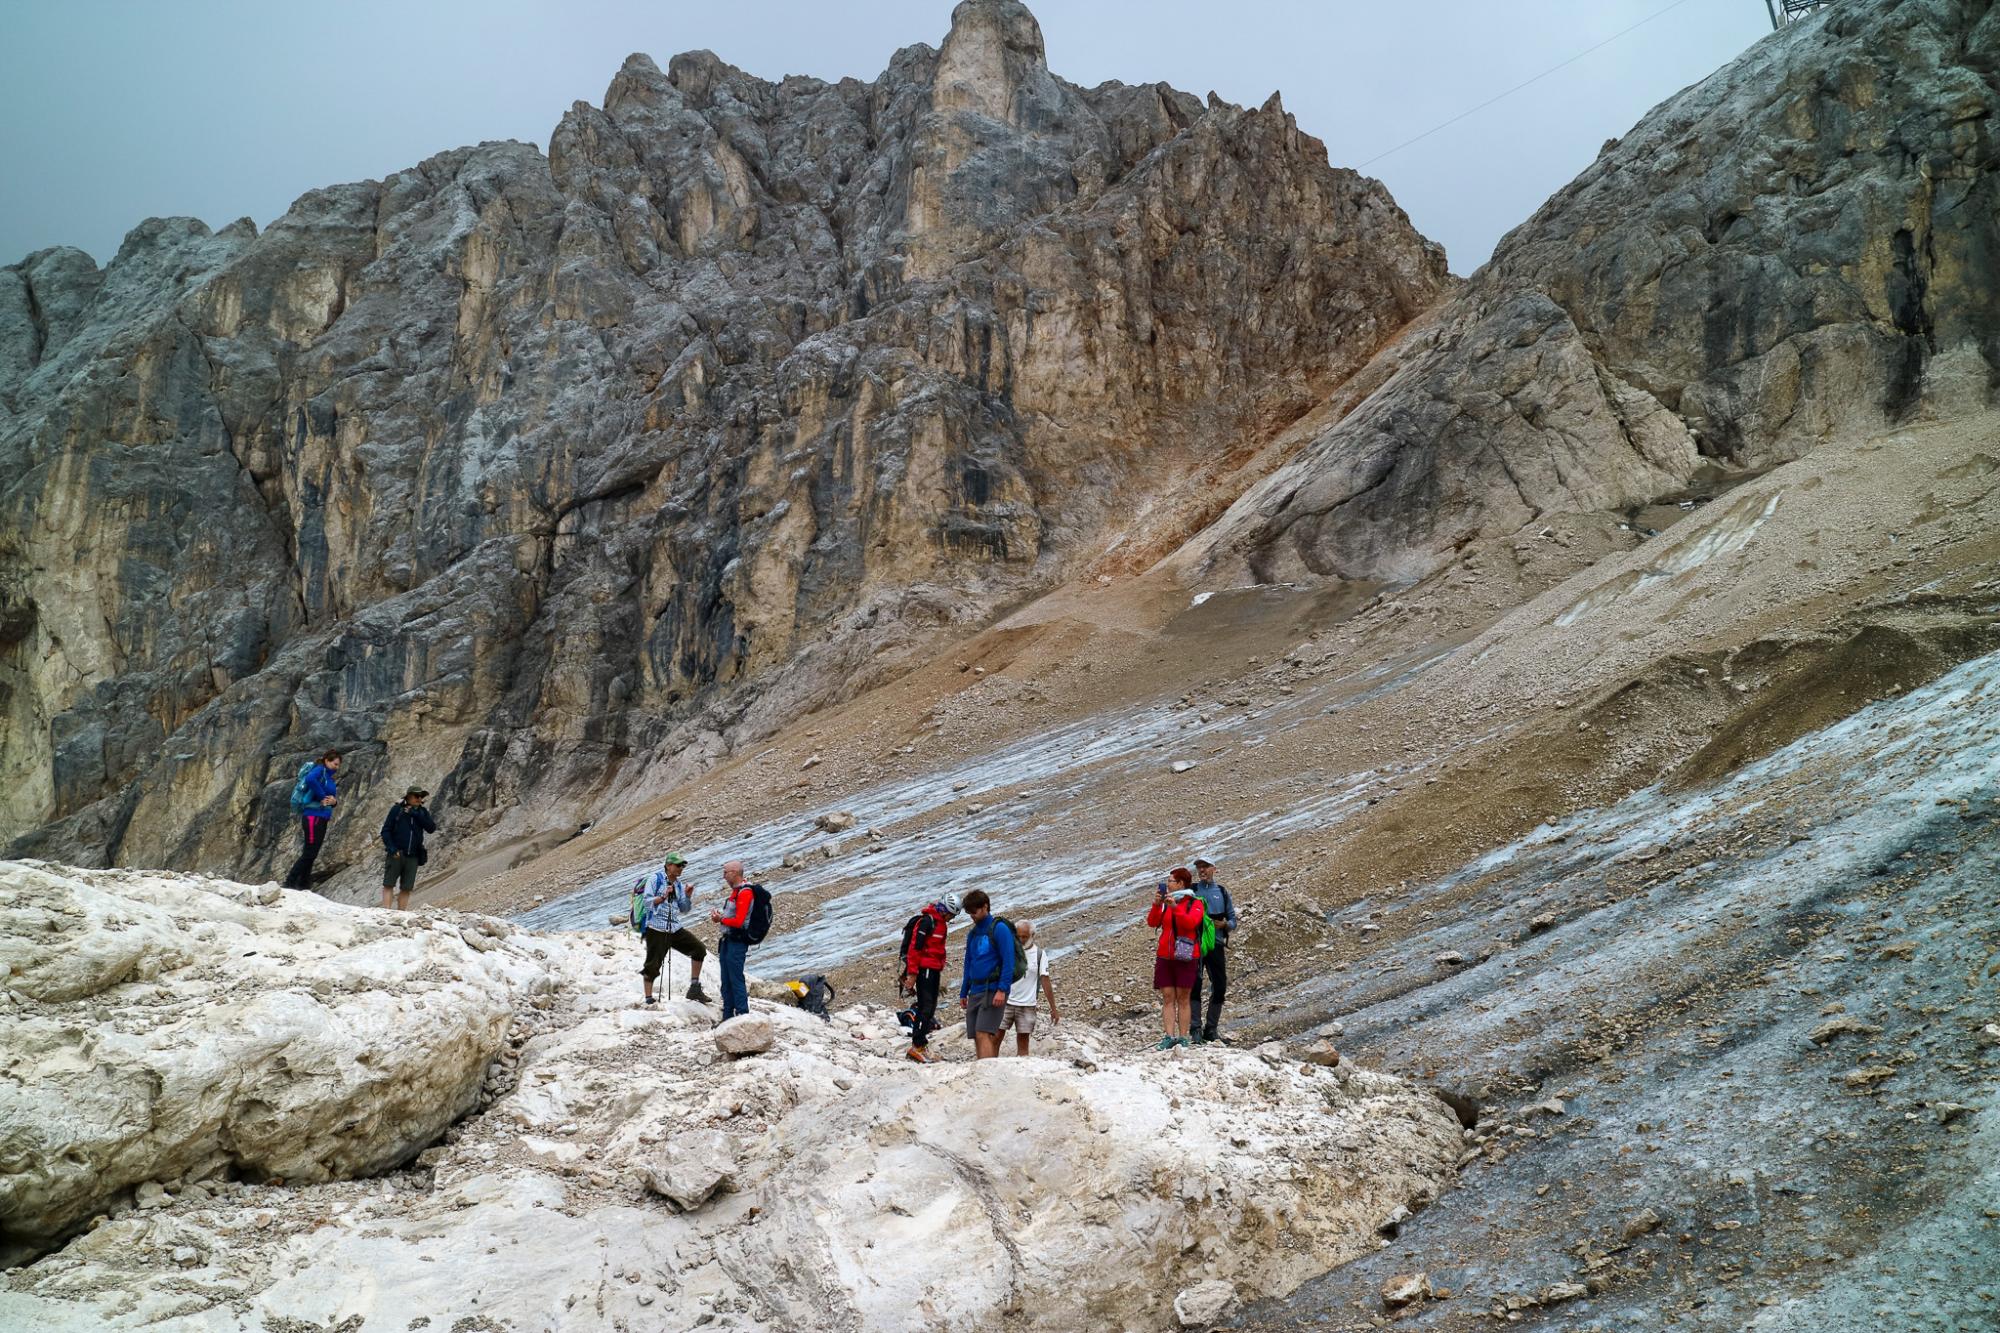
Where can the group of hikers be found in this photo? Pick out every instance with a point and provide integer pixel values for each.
(1005, 975)
(661, 908)
(316, 792)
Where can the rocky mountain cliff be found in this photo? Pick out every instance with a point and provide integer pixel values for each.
(522, 474)
(1807, 241)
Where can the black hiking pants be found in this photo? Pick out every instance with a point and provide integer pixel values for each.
(1215, 966)
(313, 828)
(928, 981)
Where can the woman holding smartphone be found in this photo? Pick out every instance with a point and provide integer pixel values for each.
(1177, 911)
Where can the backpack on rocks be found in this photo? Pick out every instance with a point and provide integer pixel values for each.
(814, 994)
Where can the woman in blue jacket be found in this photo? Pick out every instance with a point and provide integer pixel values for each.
(313, 797)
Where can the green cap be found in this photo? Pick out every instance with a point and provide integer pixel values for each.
(674, 859)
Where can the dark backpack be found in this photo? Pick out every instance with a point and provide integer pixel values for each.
(907, 1016)
(1014, 944)
(911, 942)
(817, 996)
(758, 924)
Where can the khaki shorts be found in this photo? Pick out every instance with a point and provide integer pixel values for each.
(1021, 1018)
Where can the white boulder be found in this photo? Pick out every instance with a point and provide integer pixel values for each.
(745, 1034)
(1205, 1304)
(689, 1170)
(166, 1027)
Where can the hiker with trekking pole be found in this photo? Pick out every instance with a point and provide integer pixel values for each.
(660, 907)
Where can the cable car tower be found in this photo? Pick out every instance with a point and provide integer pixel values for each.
(1791, 11)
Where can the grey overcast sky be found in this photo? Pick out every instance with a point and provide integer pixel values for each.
(112, 111)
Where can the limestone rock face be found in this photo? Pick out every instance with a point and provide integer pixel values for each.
(167, 1029)
(1810, 238)
(513, 472)
(1097, 1187)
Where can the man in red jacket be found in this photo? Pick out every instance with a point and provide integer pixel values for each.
(923, 967)
(735, 946)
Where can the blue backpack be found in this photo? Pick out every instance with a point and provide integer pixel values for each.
(302, 798)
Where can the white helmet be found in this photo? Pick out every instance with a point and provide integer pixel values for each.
(950, 904)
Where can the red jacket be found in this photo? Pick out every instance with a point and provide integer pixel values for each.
(927, 942)
(1182, 918)
(739, 906)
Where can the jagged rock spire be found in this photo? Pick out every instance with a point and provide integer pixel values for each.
(992, 63)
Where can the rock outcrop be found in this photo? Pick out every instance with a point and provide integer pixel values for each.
(517, 473)
(626, 1174)
(1808, 239)
(168, 1030)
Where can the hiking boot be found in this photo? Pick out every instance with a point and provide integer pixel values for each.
(1185, 1042)
(917, 1054)
(697, 994)
(1202, 1039)
(652, 999)
(1166, 1044)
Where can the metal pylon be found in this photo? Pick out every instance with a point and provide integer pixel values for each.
(1791, 11)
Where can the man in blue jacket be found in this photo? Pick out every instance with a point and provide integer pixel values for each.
(1215, 963)
(313, 797)
(403, 841)
(990, 952)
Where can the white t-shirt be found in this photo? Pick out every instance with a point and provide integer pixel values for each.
(1028, 986)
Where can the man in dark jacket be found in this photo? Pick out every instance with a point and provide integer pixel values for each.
(313, 797)
(403, 839)
(1214, 963)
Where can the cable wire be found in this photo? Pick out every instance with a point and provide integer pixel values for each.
(1658, 13)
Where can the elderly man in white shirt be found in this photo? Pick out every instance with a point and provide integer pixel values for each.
(1031, 983)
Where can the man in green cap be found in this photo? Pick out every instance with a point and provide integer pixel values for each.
(403, 841)
(668, 900)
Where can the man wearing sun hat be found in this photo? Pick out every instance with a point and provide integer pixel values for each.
(669, 899)
(403, 840)
(1215, 963)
